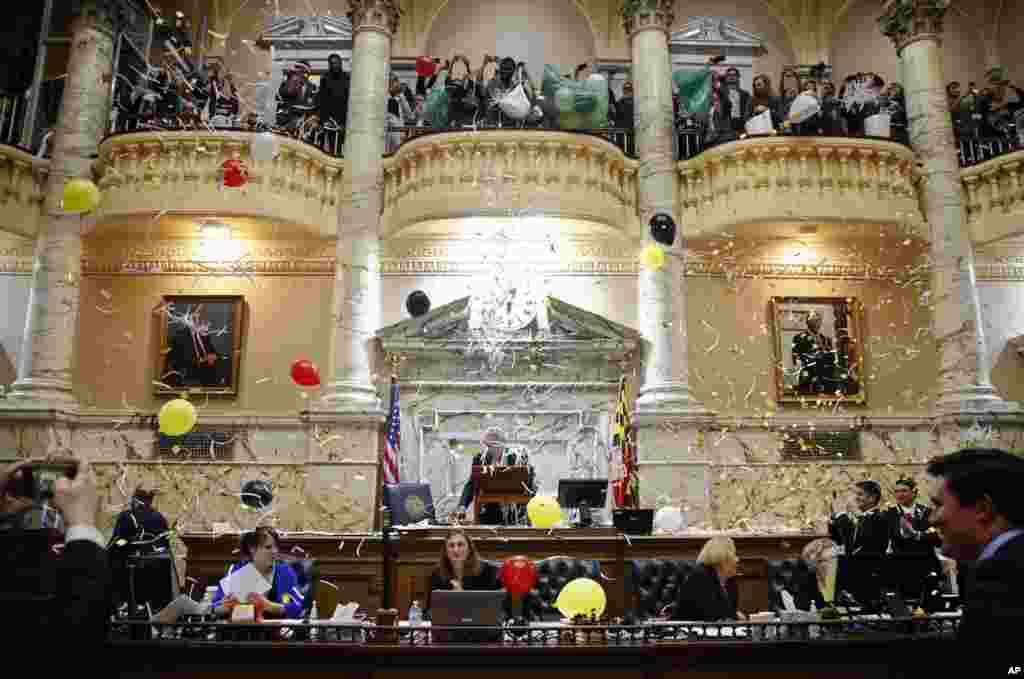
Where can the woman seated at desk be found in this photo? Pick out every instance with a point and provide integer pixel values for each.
(284, 600)
(461, 569)
(710, 593)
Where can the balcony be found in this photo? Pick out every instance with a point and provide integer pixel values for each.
(455, 174)
(769, 180)
(994, 193)
(180, 172)
(22, 187)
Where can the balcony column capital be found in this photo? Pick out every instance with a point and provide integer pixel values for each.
(643, 15)
(381, 16)
(907, 21)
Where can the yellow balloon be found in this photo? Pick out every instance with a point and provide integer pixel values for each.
(543, 511)
(582, 596)
(80, 195)
(177, 417)
(652, 257)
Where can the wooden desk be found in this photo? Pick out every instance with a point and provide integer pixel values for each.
(409, 557)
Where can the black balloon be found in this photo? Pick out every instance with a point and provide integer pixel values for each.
(417, 303)
(663, 228)
(257, 494)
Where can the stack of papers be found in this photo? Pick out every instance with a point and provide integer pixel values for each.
(243, 582)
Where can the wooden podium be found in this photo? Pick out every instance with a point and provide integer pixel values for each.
(502, 485)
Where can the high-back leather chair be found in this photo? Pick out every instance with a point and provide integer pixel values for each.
(795, 576)
(552, 575)
(655, 584)
(308, 575)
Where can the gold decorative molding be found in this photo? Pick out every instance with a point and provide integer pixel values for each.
(149, 173)
(642, 15)
(492, 172)
(22, 185)
(784, 179)
(994, 198)
(907, 21)
(374, 15)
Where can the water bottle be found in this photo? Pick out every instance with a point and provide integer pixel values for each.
(207, 602)
(415, 614)
(314, 615)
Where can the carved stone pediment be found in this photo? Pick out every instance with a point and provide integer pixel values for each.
(712, 32)
(310, 32)
(560, 328)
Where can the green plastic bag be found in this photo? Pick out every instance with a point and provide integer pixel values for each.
(435, 106)
(694, 90)
(581, 105)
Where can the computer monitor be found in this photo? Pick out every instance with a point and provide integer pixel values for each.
(409, 503)
(571, 492)
(479, 608)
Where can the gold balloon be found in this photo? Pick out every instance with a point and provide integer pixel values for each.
(543, 511)
(582, 596)
(80, 195)
(177, 417)
(652, 257)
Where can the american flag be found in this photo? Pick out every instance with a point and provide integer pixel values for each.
(627, 489)
(394, 443)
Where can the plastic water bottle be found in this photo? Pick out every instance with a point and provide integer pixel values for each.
(415, 614)
(207, 602)
(314, 615)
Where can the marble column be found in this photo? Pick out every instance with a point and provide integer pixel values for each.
(964, 384)
(357, 286)
(661, 294)
(45, 370)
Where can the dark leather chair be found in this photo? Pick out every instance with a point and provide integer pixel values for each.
(798, 578)
(655, 583)
(307, 572)
(552, 575)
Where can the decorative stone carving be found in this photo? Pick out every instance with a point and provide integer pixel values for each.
(639, 15)
(374, 15)
(143, 173)
(22, 182)
(994, 198)
(783, 179)
(906, 21)
(562, 174)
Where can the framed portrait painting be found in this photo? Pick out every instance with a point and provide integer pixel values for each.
(819, 351)
(200, 344)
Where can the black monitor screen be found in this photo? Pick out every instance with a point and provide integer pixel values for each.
(571, 492)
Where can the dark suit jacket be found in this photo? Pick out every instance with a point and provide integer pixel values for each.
(920, 519)
(869, 534)
(490, 514)
(702, 597)
(488, 579)
(994, 601)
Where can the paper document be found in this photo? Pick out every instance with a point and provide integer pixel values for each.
(243, 582)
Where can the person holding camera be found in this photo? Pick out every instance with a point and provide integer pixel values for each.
(78, 605)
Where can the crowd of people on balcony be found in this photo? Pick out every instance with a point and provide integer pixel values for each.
(986, 121)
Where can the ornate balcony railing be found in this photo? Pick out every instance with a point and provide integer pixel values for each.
(994, 197)
(787, 179)
(22, 186)
(453, 174)
(146, 173)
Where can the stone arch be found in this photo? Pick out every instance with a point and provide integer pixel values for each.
(424, 38)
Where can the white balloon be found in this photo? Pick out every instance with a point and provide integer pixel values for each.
(669, 520)
(263, 146)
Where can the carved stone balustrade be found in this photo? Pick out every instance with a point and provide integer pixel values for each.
(493, 172)
(784, 180)
(22, 183)
(994, 192)
(146, 173)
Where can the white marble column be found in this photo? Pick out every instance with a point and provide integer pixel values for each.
(357, 287)
(46, 365)
(661, 294)
(964, 384)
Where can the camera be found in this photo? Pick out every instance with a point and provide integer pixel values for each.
(38, 481)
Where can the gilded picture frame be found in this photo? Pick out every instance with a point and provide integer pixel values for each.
(818, 350)
(200, 345)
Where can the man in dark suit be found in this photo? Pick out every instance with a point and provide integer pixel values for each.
(912, 540)
(864, 538)
(979, 512)
(494, 453)
(77, 608)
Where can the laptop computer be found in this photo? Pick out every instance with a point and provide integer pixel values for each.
(479, 608)
(633, 521)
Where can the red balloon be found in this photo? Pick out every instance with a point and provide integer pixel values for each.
(235, 173)
(425, 67)
(519, 575)
(305, 374)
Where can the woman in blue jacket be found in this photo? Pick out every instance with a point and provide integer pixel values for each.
(259, 547)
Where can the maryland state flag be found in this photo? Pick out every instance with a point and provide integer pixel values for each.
(627, 489)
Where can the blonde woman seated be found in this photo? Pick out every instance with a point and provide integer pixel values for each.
(710, 593)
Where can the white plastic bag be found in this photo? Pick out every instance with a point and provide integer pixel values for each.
(803, 107)
(760, 124)
(515, 104)
(878, 125)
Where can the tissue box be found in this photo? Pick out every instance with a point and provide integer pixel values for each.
(243, 613)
